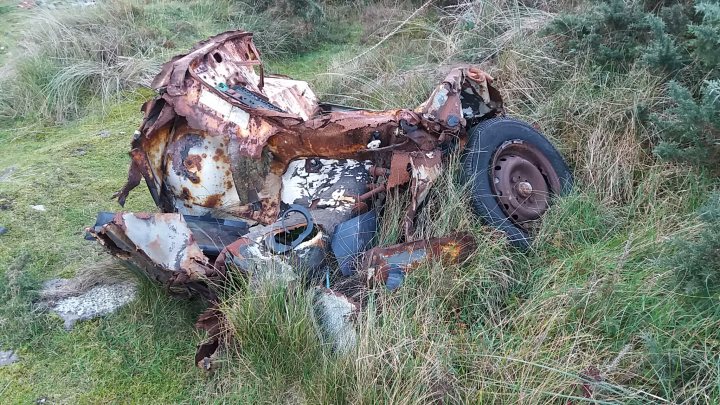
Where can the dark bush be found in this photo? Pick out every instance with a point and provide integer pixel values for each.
(690, 130)
(676, 41)
(696, 261)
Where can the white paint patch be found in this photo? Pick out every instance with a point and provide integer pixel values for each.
(240, 117)
(38, 207)
(291, 95)
(225, 109)
(298, 184)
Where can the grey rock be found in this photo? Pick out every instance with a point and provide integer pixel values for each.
(98, 301)
(335, 315)
(104, 133)
(8, 357)
(3, 230)
(7, 172)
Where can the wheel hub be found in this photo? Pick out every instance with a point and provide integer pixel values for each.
(523, 180)
(524, 189)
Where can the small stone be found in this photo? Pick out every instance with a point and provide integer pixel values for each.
(336, 315)
(55, 284)
(7, 172)
(8, 357)
(38, 207)
(79, 152)
(5, 204)
(104, 133)
(98, 301)
(3, 230)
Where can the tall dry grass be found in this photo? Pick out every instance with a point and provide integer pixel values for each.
(74, 60)
(591, 314)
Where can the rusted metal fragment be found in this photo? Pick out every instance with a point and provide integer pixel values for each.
(162, 246)
(390, 264)
(425, 168)
(214, 323)
(399, 170)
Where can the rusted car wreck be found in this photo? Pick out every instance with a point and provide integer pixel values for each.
(253, 175)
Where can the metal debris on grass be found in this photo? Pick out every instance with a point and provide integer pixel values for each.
(256, 177)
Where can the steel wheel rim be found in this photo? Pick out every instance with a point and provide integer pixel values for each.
(523, 181)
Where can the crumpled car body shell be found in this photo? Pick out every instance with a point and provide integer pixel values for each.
(239, 162)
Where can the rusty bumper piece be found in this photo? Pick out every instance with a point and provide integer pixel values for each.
(254, 176)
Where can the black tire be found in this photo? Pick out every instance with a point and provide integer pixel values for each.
(484, 141)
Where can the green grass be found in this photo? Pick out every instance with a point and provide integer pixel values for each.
(11, 17)
(596, 290)
(141, 352)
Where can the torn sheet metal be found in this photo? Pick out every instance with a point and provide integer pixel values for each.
(214, 323)
(389, 265)
(162, 245)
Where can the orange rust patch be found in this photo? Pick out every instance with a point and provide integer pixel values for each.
(185, 194)
(221, 156)
(213, 200)
(193, 163)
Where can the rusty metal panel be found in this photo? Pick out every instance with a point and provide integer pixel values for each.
(380, 262)
(162, 245)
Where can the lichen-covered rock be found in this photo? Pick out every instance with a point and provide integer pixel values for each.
(98, 301)
(8, 357)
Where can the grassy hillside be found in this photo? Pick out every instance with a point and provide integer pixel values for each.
(617, 300)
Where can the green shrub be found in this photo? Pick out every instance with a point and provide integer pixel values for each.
(690, 130)
(696, 261)
(610, 33)
(706, 41)
(679, 42)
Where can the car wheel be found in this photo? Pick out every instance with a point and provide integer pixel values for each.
(514, 172)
